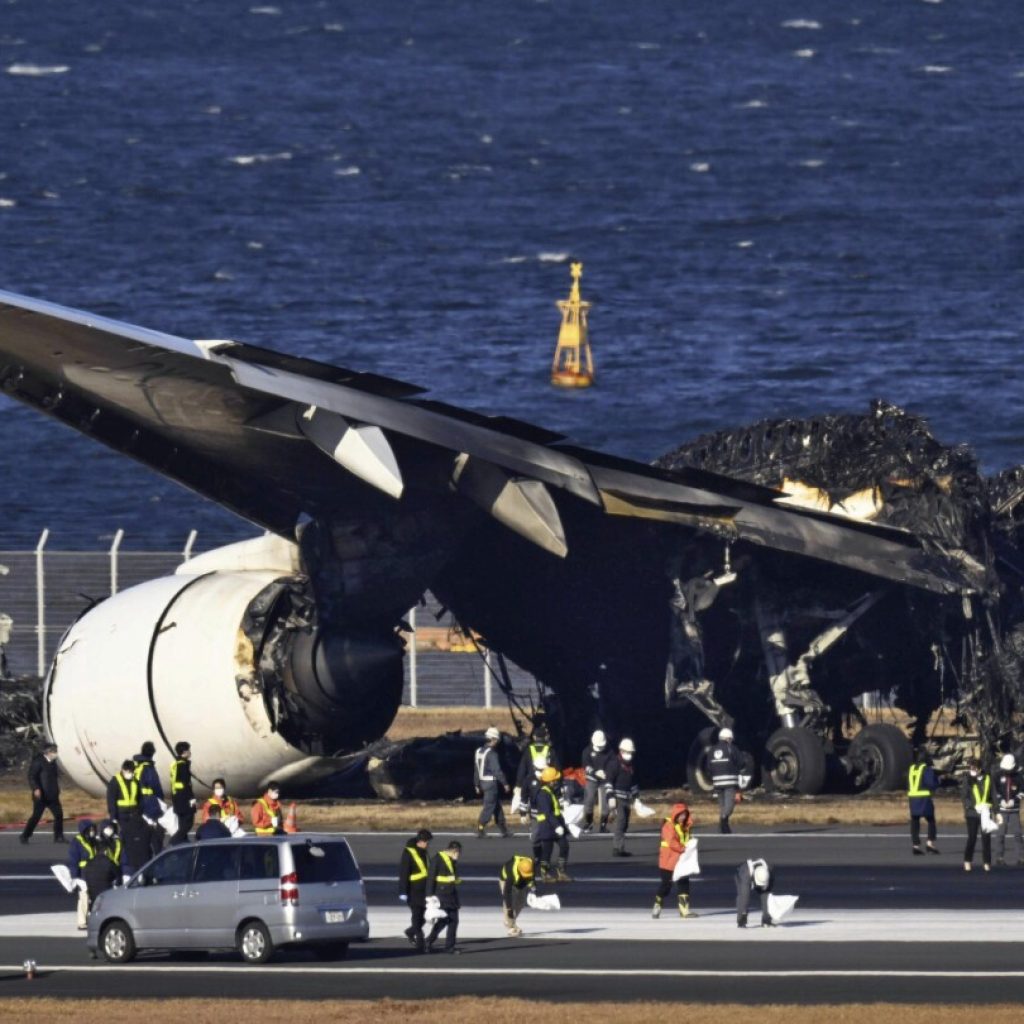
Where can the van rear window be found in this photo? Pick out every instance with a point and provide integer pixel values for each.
(324, 862)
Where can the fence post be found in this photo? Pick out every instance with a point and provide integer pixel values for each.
(41, 605)
(187, 553)
(487, 679)
(115, 547)
(413, 682)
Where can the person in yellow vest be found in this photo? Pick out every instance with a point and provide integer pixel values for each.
(922, 781)
(550, 829)
(517, 882)
(183, 799)
(267, 818)
(412, 884)
(976, 794)
(228, 805)
(123, 794)
(443, 886)
(675, 834)
(82, 850)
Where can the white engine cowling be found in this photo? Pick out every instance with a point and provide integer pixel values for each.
(169, 660)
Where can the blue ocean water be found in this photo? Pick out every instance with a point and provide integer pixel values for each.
(782, 207)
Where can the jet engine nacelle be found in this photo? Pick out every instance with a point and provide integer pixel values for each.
(221, 661)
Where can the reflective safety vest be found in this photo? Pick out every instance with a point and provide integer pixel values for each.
(539, 750)
(139, 769)
(421, 865)
(451, 878)
(129, 792)
(982, 794)
(115, 854)
(914, 781)
(88, 849)
(176, 786)
(683, 834)
(228, 806)
(516, 873)
(270, 813)
(556, 811)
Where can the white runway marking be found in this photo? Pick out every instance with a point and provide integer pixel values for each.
(714, 924)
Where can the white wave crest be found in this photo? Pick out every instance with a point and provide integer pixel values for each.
(813, 162)
(803, 54)
(753, 105)
(806, 23)
(700, 167)
(745, 244)
(334, 26)
(246, 160)
(552, 257)
(513, 259)
(37, 70)
(348, 172)
(936, 69)
(7, 203)
(265, 10)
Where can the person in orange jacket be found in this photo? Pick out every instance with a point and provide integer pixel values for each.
(228, 804)
(675, 834)
(267, 817)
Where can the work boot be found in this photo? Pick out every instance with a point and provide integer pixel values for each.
(481, 832)
(421, 945)
(620, 852)
(1000, 861)
(723, 826)
(506, 832)
(967, 865)
(656, 909)
(546, 874)
(561, 874)
(684, 907)
(741, 920)
(918, 852)
(412, 937)
(514, 932)
(588, 828)
(604, 825)
(932, 848)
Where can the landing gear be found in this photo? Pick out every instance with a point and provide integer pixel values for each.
(698, 770)
(879, 757)
(794, 761)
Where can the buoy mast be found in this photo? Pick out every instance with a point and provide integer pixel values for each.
(573, 365)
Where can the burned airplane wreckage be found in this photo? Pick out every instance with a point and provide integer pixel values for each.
(765, 577)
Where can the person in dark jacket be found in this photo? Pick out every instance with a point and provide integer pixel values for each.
(753, 876)
(45, 787)
(151, 793)
(489, 781)
(412, 884)
(443, 884)
(213, 827)
(81, 850)
(622, 790)
(103, 870)
(922, 781)
(537, 755)
(1008, 794)
(517, 882)
(183, 799)
(549, 828)
(726, 761)
(594, 762)
(976, 794)
(123, 794)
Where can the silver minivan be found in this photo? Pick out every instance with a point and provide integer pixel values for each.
(252, 894)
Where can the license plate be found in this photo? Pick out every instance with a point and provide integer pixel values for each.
(335, 916)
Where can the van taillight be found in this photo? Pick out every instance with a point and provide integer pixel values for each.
(290, 889)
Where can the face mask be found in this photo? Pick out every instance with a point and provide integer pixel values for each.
(273, 794)
(127, 775)
(218, 792)
(627, 758)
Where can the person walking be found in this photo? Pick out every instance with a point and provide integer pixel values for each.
(922, 781)
(537, 755)
(412, 884)
(753, 876)
(266, 812)
(976, 794)
(675, 834)
(443, 884)
(151, 795)
(1008, 787)
(549, 829)
(622, 790)
(44, 784)
(489, 781)
(183, 799)
(726, 763)
(594, 761)
(516, 883)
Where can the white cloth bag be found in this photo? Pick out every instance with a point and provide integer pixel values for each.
(780, 906)
(549, 902)
(688, 864)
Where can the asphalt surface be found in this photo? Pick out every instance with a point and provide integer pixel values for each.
(873, 923)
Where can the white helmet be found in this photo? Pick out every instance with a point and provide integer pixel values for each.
(760, 874)
(1008, 762)
(598, 740)
(627, 746)
(724, 735)
(492, 734)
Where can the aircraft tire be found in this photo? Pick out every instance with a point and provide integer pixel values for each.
(880, 756)
(698, 773)
(794, 761)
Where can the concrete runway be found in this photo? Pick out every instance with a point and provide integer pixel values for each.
(873, 924)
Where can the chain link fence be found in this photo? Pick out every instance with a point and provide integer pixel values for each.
(43, 591)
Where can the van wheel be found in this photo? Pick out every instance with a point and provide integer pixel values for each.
(331, 950)
(117, 943)
(254, 942)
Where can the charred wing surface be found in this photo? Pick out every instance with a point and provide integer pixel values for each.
(623, 587)
(887, 468)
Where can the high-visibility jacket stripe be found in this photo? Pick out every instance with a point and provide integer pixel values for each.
(981, 796)
(450, 878)
(421, 865)
(914, 781)
(176, 786)
(144, 790)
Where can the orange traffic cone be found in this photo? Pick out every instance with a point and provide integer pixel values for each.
(290, 824)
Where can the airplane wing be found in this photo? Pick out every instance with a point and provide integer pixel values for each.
(275, 437)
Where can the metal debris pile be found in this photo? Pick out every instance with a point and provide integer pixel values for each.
(887, 467)
(21, 722)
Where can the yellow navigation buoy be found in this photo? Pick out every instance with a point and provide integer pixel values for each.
(573, 365)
